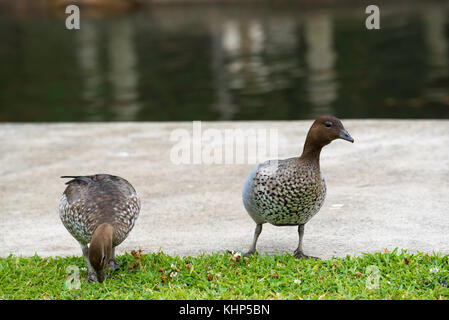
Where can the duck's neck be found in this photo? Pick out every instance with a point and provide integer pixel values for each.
(311, 151)
(101, 243)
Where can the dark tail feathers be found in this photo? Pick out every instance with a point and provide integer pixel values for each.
(84, 179)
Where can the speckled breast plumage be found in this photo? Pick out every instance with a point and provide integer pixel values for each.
(284, 192)
(90, 201)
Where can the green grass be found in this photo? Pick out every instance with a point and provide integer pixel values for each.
(226, 276)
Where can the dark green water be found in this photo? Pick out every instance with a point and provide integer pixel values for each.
(226, 63)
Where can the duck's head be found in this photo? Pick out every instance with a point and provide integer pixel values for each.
(325, 129)
(100, 250)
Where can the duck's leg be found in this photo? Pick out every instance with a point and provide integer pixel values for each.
(113, 264)
(92, 274)
(299, 254)
(257, 232)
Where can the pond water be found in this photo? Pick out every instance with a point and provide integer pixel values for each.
(256, 62)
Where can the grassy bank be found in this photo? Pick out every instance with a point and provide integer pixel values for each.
(386, 275)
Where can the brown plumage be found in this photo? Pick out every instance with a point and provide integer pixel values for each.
(101, 210)
(291, 191)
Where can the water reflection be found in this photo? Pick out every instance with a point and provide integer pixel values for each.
(438, 54)
(226, 63)
(220, 41)
(283, 42)
(243, 44)
(123, 74)
(320, 58)
(88, 55)
(120, 74)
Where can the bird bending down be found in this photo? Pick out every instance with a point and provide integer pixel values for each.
(290, 192)
(101, 210)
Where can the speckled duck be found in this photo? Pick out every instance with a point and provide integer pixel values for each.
(101, 210)
(290, 192)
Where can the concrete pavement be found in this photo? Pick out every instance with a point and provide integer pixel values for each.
(388, 189)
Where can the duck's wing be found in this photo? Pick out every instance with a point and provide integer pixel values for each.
(264, 169)
(77, 189)
(88, 186)
(256, 180)
(75, 211)
(272, 168)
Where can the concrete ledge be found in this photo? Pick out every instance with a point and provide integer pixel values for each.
(388, 189)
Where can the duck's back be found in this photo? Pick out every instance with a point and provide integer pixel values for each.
(284, 192)
(89, 201)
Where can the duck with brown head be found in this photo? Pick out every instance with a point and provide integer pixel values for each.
(290, 192)
(101, 210)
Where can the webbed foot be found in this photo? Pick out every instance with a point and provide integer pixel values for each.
(113, 265)
(249, 253)
(301, 255)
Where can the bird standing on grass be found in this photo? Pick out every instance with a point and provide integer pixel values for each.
(101, 210)
(290, 192)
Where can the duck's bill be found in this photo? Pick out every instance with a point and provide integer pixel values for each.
(346, 136)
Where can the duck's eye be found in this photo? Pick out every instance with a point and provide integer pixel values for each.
(328, 124)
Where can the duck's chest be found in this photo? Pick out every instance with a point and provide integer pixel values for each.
(291, 197)
(81, 219)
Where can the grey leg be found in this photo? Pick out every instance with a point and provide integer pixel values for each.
(92, 274)
(299, 254)
(113, 264)
(257, 232)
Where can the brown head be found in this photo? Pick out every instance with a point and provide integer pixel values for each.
(100, 249)
(323, 131)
